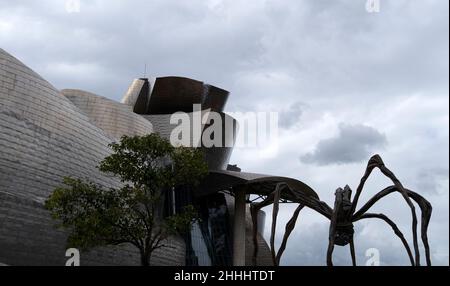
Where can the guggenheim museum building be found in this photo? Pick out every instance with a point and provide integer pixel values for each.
(47, 134)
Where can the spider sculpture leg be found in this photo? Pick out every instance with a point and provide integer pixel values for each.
(289, 228)
(377, 162)
(276, 208)
(331, 244)
(352, 252)
(333, 224)
(313, 203)
(254, 209)
(273, 198)
(396, 231)
(426, 210)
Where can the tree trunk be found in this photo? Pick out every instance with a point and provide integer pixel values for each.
(145, 259)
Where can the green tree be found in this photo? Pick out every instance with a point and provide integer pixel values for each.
(147, 166)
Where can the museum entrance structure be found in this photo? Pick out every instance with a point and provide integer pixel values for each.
(256, 191)
(267, 190)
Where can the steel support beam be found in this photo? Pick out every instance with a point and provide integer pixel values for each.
(239, 228)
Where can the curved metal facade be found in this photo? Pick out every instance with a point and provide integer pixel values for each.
(217, 158)
(44, 137)
(167, 95)
(114, 118)
(47, 134)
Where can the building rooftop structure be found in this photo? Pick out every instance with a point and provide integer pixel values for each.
(47, 134)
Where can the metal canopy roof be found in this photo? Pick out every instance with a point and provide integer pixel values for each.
(292, 190)
(258, 184)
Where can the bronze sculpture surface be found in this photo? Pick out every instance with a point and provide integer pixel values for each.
(344, 215)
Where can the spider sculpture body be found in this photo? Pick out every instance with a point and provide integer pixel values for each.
(344, 215)
(343, 234)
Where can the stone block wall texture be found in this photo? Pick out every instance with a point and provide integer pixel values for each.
(44, 137)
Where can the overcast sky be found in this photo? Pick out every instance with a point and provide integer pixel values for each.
(347, 84)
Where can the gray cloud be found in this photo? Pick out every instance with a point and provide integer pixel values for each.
(291, 116)
(327, 48)
(354, 143)
(430, 180)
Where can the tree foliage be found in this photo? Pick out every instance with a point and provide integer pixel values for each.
(147, 166)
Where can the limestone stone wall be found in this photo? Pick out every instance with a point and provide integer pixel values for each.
(44, 137)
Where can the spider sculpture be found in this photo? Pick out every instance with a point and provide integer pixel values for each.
(344, 215)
